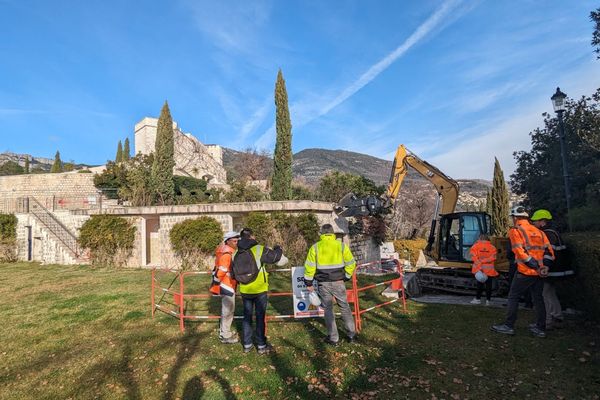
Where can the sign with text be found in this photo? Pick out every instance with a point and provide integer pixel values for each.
(302, 306)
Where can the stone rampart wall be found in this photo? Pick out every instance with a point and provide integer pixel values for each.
(69, 190)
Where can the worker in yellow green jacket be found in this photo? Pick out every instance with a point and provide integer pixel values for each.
(329, 264)
(250, 272)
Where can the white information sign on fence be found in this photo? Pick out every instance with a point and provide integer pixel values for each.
(302, 306)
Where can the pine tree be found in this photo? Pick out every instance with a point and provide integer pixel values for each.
(281, 188)
(500, 206)
(58, 165)
(162, 167)
(126, 151)
(119, 156)
(26, 164)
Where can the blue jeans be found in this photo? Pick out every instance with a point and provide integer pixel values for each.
(250, 303)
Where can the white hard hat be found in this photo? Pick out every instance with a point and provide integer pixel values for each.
(230, 235)
(481, 277)
(519, 211)
(314, 299)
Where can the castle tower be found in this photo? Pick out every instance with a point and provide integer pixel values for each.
(192, 158)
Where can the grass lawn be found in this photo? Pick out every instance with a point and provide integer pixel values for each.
(82, 333)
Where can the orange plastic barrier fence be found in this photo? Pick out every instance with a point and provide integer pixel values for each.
(179, 296)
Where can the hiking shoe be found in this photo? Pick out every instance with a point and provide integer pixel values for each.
(248, 349)
(504, 329)
(266, 349)
(330, 342)
(229, 340)
(475, 301)
(353, 338)
(537, 332)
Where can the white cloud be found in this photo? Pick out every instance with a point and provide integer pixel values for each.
(472, 156)
(306, 111)
(231, 25)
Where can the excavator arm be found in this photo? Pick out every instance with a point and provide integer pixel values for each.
(446, 187)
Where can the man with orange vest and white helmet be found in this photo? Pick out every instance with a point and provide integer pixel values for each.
(483, 254)
(533, 254)
(224, 285)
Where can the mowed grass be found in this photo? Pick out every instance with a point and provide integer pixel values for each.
(82, 333)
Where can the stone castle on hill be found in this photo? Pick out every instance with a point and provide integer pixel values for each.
(192, 158)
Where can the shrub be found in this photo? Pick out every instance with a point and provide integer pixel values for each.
(109, 238)
(410, 248)
(8, 238)
(194, 239)
(294, 233)
(583, 291)
(586, 218)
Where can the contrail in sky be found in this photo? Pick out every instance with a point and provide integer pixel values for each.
(382, 65)
(266, 139)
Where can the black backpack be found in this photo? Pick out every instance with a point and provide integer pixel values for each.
(244, 267)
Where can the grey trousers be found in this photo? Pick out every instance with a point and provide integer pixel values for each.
(227, 310)
(328, 291)
(553, 308)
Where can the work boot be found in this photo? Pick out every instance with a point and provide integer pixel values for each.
(537, 332)
(230, 340)
(330, 342)
(353, 338)
(504, 329)
(475, 301)
(266, 349)
(248, 348)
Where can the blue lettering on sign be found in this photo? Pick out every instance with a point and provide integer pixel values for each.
(301, 306)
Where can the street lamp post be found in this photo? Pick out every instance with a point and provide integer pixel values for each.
(558, 102)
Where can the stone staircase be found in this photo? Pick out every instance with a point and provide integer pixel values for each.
(64, 238)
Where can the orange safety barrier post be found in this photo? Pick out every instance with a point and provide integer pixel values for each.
(395, 283)
(179, 296)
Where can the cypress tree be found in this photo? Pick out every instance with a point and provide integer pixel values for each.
(488, 202)
(119, 156)
(58, 165)
(281, 188)
(26, 164)
(500, 206)
(162, 167)
(126, 150)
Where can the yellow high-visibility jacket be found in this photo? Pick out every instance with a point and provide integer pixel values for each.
(328, 260)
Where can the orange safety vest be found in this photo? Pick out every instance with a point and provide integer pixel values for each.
(529, 242)
(484, 256)
(222, 281)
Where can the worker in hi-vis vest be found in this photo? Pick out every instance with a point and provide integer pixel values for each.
(329, 264)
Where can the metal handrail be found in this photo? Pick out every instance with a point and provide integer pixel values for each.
(72, 247)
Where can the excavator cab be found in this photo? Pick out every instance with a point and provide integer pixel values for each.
(458, 232)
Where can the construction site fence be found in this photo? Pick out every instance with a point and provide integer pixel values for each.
(175, 290)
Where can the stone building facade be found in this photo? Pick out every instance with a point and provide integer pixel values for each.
(192, 158)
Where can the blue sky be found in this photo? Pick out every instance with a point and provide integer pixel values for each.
(458, 82)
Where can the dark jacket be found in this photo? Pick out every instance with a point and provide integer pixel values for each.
(562, 266)
(269, 256)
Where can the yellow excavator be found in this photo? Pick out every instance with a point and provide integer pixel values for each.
(451, 235)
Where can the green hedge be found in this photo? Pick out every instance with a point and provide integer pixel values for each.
(8, 238)
(194, 239)
(109, 238)
(583, 292)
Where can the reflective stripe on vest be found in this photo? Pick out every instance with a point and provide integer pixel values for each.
(331, 272)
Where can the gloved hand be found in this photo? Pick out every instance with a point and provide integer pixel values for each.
(347, 278)
(532, 263)
(544, 271)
